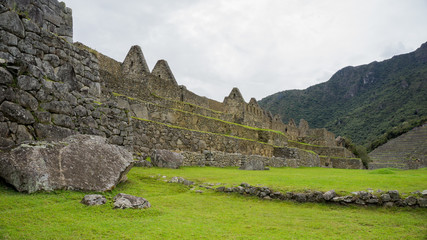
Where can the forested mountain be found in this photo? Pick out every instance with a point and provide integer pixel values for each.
(361, 102)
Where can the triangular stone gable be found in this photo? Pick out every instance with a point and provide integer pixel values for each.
(253, 102)
(235, 94)
(134, 63)
(162, 70)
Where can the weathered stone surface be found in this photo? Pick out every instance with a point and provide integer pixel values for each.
(62, 120)
(252, 164)
(52, 132)
(329, 195)
(385, 197)
(422, 202)
(124, 201)
(94, 199)
(142, 163)
(394, 195)
(67, 75)
(58, 107)
(411, 200)
(28, 83)
(10, 21)
(27, 100)
(166, 159)
(23, 135)
(5, 76)
(6, 143)
(16, 113)
(79, 162)
(43, 117)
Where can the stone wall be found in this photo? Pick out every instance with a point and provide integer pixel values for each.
(347, 163)
(323, 150)
(296, 157)
(149, 136)
(48, 15)
(49, 88)
(149, 111)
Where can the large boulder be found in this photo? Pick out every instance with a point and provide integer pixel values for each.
(166, 159)
(78, 162)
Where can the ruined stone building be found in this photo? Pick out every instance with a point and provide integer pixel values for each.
(51, 87)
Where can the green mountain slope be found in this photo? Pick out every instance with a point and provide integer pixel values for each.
(361, 102)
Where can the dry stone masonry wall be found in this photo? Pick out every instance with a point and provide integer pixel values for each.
(51, 88)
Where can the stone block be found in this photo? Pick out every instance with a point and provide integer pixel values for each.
(10, 22)
(5, 76)
(16, 113)
(28, 83)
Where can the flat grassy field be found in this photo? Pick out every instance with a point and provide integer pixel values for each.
(180, 213)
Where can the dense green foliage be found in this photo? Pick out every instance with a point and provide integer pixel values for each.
(396, 131)
(179, 213)
(361, 102)
(358, 150)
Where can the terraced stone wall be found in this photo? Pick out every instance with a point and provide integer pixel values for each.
(149, 136)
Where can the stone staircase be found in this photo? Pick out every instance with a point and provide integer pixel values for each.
(408, 151)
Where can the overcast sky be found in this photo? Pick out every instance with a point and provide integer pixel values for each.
(260, 46)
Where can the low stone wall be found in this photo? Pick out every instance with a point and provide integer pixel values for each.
(361, 198)
(149, 136)
(323, 150)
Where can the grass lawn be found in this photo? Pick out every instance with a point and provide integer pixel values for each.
(178, 213)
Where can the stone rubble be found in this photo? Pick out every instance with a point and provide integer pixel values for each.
(94, 199)
(124, 201)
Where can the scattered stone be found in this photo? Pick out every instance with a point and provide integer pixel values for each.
(94, 199)
(199, 191)
(424, 193)
(79, 162)
(124, 201)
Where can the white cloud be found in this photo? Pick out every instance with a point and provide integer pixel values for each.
(261, 47)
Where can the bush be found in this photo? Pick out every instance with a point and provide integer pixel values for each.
(358, 150)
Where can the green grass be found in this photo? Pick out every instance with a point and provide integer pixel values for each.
(178, 213)
(301, 179)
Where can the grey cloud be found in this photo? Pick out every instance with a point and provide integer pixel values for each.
(262, 47)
